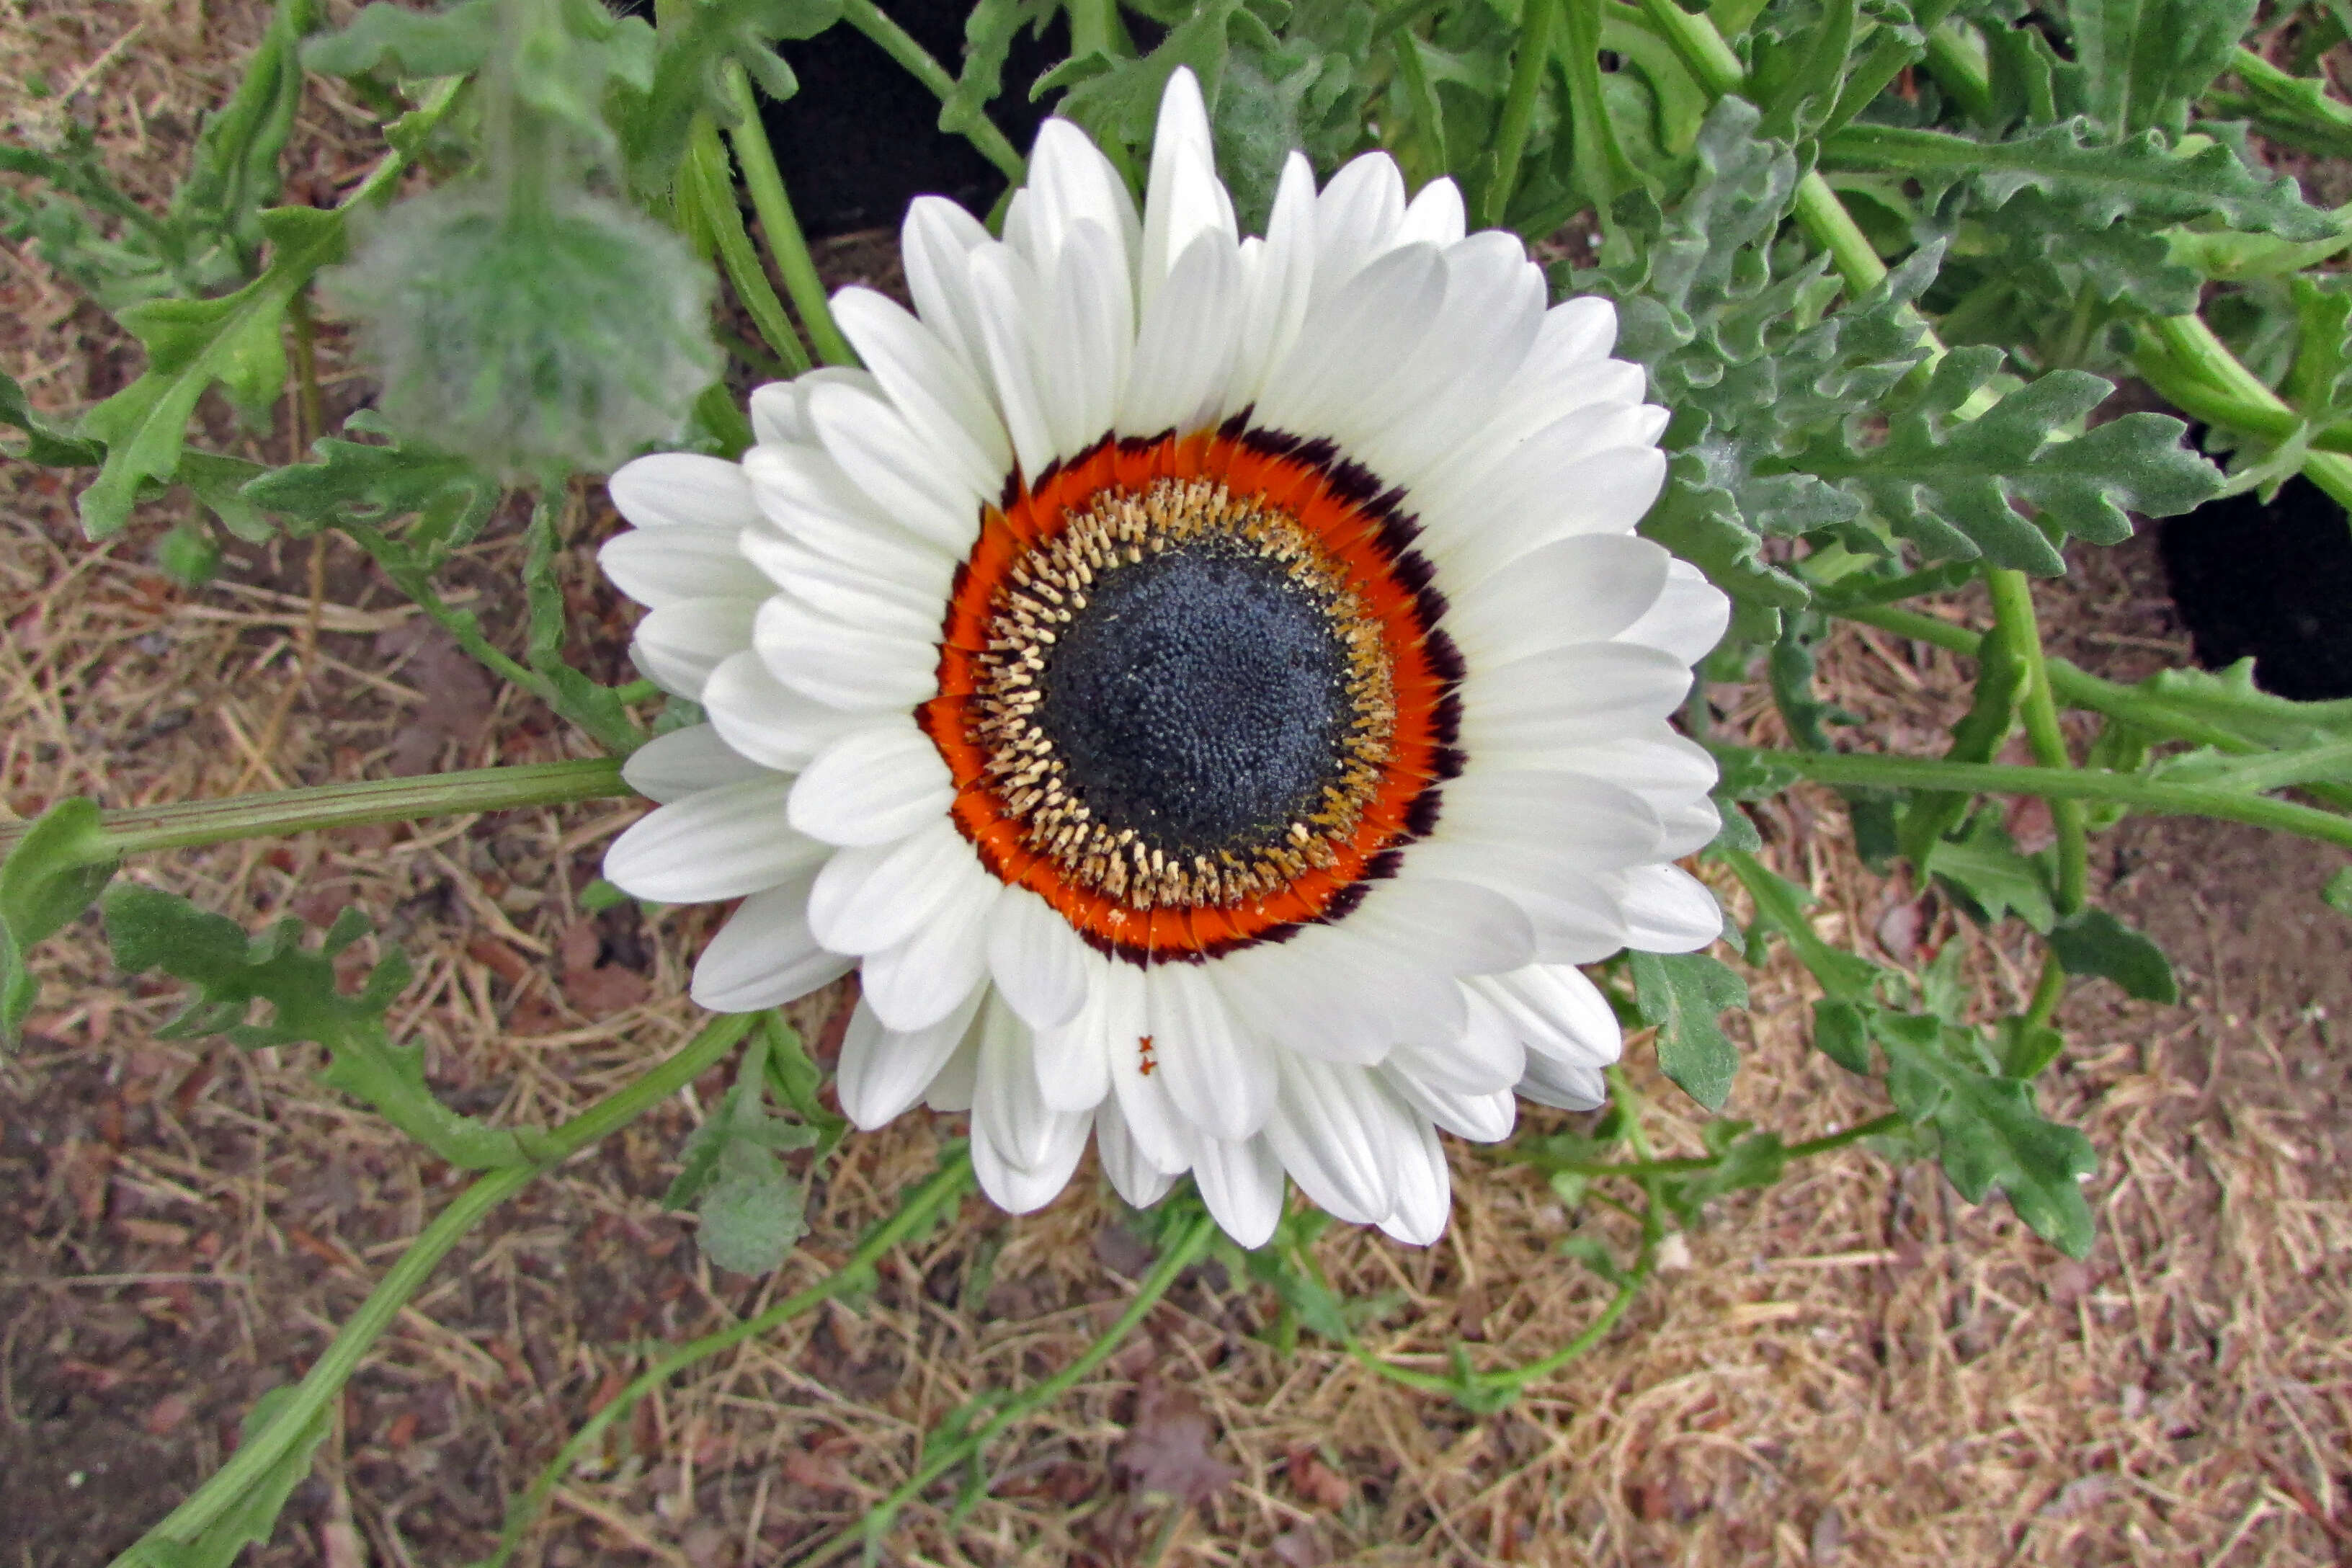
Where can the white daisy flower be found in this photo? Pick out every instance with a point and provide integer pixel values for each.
(1209, 686)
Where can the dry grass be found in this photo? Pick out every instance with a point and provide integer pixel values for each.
(1853, 1367)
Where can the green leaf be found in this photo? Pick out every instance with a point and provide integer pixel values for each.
(234, 340)
(252, 1518)
(1985, 868)
(694, 45)
(2025, 1047)
(46, 444)
(1781, 906)
(2095, 942)
(2142, 62)
(1684, 993)
(2095, 182)
(989, 30)
(2001, 678)
(230, 971)
(2337, 894)
(233, 172)
(2229, 699)
(1118, 99)
(1841, 1033)
(751, 1209)
(355, 481)
(393, 40)
(1990, 1130)
(54, 872)
(1958, 488)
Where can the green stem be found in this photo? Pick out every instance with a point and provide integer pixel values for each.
(1882, 64)
(255, 1457)
(1528, 64)
(139, 829)
(2048, 992)
(946, 1457)
(2127, 790)
(781, 227)
(2080, 689)
(710, 188)
(2013, 617)
(2193, 352)
(1953, 67)
(915, 1211)
(869, 19)
(1682, 1167)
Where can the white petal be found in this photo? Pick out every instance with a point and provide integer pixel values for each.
(1071, 183)
(1457, 927)
(780, 408)
(1358, 217)
(874, 785)
(845, 590)
(1689, 617)
(678, 644)
(1687, 829)
(1139, 1182)
(883, 1071)
(1585, 589)
(840, 665)
(937, 394)
(1242, 1184)
(921, 979)
(1184, 354)
(885, 457)
(1221, 1081)
(1486, 1058)
(936, 244)
(1667, 909)
(1557, 1012)
(1436, 214)
(1339, 1132)
(1085, 335)
(950, 1089)
(1481, 1118)
(715, 844)
(767, 721)
(673, 766)
(1034, 1147)
(1494, 302)
(1424, 1190)
(1569, 696)
(657, 565)
(1556, 484)
(869, 899)
(1604, 827)
(1338, 996)
(1006, 293)
(805, 497)
(765, 955)
(1184, 200)
(673, 487)
(1345, 371)
(1568, 1086)
(1038, 961)
(1074, 1057)
(1277, 275)
(1158, 1129)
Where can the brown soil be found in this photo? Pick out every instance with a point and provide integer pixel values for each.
(1853, 1368)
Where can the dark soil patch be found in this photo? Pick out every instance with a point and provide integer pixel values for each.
(2270, 582)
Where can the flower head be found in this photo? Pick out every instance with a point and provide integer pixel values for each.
(1209, 687)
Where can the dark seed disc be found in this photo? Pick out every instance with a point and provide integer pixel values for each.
(1201, 698)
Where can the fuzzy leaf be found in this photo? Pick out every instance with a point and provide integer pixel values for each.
(45, 444)
(1989, 1132)
(751, 1209)
(230, 971)
(355, 481)
(53, 873)
(2144, 62)
(2094, 182)
(236, 341)
(389, 39)
(252, 1518)
(1958, 487)
(2095, 942)
(1685, 994)
(688, 79)
(1985, 867)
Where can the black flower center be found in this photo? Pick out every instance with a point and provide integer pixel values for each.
(1200, 699)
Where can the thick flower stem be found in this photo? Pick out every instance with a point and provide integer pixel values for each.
(1528, 64)
(2127, 790)
(706, 184)
(258, 1454)
(944, 1457)
(2080, 689)
(867, 18)
(2185, 349)
(765, 184)
(2012, 609)
(919, 1208)
(189, 823)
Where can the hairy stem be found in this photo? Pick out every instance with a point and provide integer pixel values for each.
(327, 1376)
(781, 227)
(1528, 63)
(2127, 790)
(2013, 617)
(867, 18)
(137, 829)
(707, 186)
(948, 1456)
(917, 1209)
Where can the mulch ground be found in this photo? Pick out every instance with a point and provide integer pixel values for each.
(1855, 1367)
